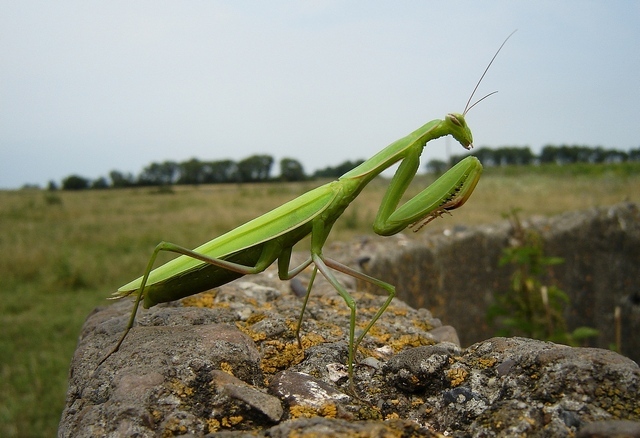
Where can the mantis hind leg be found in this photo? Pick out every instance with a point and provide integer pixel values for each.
(390, 289)
(132, 318)
(351, 303)
(325, 266)
(304, 305)
(263, 262)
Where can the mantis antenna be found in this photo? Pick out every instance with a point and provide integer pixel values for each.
(467, 107)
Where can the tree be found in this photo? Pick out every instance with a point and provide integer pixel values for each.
(100, 183)
(165, 173)
(291, 170)
(615, 156)
(119, 179)
(487, 157)
(223, 171)
(75, 182)
(191, 172)
(436, 166)
(255, 168)
(510, 155)
(502, 156)
(339, 170)
(548, 154)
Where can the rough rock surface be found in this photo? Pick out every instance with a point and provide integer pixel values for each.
(447, 272)
(227, 363)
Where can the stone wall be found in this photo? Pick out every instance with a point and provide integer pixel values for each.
(455, 274)
(227, 363)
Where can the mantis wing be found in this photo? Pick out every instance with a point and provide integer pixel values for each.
(278, 222)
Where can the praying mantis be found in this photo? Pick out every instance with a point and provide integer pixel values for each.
(253, 247)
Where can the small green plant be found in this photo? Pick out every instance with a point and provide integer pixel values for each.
(531, 308)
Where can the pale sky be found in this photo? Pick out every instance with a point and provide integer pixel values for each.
(87, 87)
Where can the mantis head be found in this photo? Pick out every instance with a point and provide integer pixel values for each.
(457, 127)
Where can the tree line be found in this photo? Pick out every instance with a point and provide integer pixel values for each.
(550, 154)
(257, 168)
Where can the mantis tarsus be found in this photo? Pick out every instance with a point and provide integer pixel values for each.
(254, 246)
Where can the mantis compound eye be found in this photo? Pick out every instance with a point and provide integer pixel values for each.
(454, 120)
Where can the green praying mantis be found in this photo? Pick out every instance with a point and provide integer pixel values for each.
(253, 247)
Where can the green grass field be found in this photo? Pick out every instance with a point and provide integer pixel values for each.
(63, 253)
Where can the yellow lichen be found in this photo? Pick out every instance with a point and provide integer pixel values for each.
(173, 427)
(205, 299)
(487, 362)
(416, 402)
(226, 367)
(292, 325)
(369, 413)
(180, 389)
(367, 352)
(307, 340)
(412, 340)
(457, 376)
(335, 302)
(277, 355)
(302, 412)
(335, 330)
(312, 339)
(398, 311)
(379, 335)
(256, 317)
(256, 336)
(231, 421)
(392, 416)
(328, 410)
(422, 324)
(213, 425)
